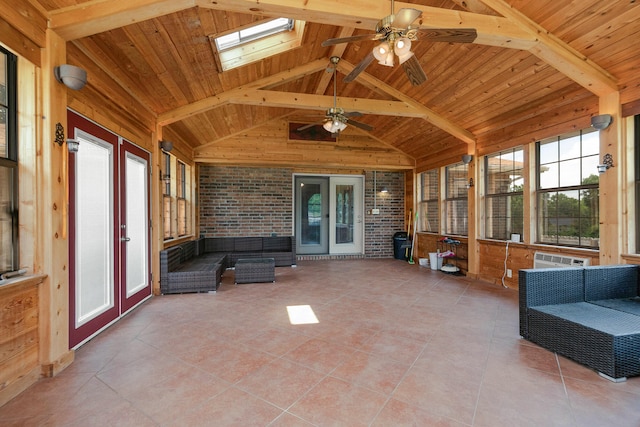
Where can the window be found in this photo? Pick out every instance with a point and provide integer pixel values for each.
(166, 177)
(428, 207)
(567, 190)
(181, 194)
(504, 180)
(256, 42)
(8, 163)
(456, 200)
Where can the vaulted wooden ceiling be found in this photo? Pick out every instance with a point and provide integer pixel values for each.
(548, 59)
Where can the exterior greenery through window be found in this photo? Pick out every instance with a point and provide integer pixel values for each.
(456, 200)
(8, 163)
(504, 205)
(429, 213)
(568, 190)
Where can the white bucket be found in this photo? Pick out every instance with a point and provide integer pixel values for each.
(435, 261)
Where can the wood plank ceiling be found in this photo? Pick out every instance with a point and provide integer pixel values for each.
(531, 59)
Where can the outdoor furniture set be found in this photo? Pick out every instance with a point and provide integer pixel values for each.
(588, 314)
(198, 265)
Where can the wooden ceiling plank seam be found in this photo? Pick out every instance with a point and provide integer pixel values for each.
(429, 115)
(559, 54)
(157, 65)
(89, 54)
(205, 104)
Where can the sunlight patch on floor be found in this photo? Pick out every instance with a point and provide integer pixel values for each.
(301, 315)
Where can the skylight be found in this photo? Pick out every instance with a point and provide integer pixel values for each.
(255, 32)
(256, 42)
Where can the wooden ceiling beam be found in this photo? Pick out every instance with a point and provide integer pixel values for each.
(206, 104)
(97, 16)
(559, 54)
(305, 101)
(425, 113)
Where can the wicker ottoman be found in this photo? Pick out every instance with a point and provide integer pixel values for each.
(254, 270)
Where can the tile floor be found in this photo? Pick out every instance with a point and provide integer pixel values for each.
(395, 345)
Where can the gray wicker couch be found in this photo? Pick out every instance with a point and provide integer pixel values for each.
(187, 268)
(588, 314)
(281, 248)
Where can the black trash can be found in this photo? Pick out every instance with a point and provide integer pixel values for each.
(399, 240)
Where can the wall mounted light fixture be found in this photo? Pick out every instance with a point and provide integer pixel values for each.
(73, 145)
(166, 145)
(71, 76)
(602, 121)
(607, 162)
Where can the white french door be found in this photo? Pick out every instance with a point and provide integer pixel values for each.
(109, 239)
(329, 214)
(345, 215)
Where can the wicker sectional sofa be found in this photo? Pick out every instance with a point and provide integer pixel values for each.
(186, 268)
(281, 248)
(588, 314)
(198, 265)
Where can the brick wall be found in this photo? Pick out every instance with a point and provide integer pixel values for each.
(238, 201)
(379, 229)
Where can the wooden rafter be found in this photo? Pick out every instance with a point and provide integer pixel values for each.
(425, 113)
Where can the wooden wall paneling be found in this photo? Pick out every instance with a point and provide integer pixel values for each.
(52, 240)
(15, 40)
(27, 18)
(19, 336)
(520, 256)
(612, 184)
(29, 130)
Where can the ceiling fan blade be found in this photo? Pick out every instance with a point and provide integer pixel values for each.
(353, 114)
(359, 68)
(362, 126)
(331, 42)
(460, 35)
(305, 127)
(405, 17)
(414, 71)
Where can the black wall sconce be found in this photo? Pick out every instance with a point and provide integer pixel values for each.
(607, 162)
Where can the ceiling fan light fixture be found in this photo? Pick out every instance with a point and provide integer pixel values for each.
(402, 58)
(402, 46)
(381, 51)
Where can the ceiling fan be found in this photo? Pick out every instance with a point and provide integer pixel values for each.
(395, 33)
(336, 119)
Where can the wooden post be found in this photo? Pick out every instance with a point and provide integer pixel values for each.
(157, 234)
(473, 265)
(52, 248)
(612, 184)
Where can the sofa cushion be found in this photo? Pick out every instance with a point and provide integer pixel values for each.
(610, 282)
(219, 244)
(247, 244)
(276, 244)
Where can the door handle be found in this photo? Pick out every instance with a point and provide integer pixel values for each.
(125, 239)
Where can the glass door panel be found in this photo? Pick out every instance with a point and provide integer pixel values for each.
(134, 230)
(312, 215)
(94, 261)
(346, 215)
